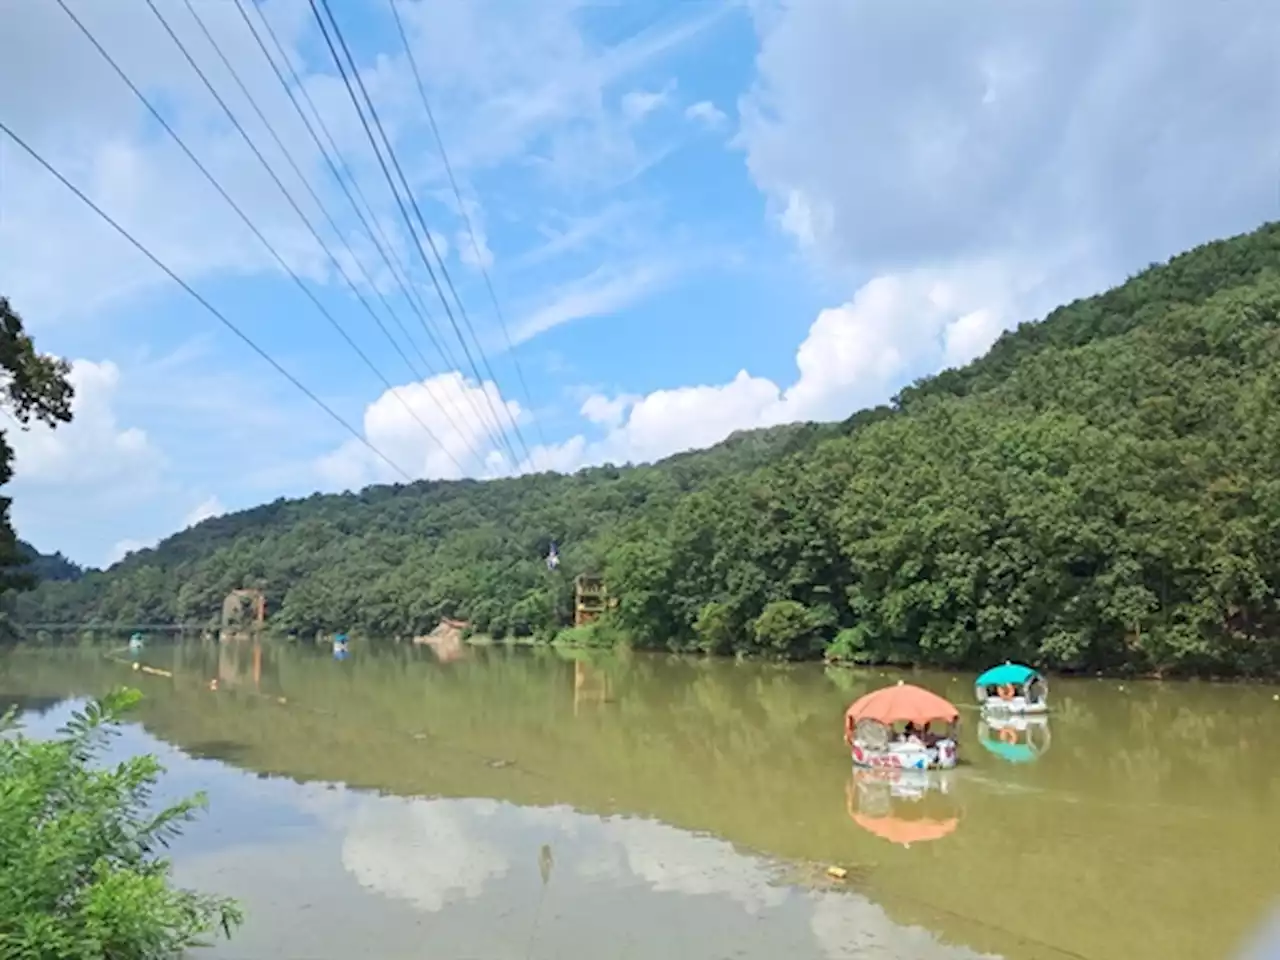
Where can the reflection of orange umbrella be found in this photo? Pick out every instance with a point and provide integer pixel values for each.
(902, 702)
(897, 830)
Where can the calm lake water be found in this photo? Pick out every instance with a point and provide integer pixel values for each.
(532, 804)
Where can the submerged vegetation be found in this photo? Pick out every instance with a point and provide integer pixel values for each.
(1101, 491)
(80, 874)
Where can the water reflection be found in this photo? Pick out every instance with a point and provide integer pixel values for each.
(904, 806)
(1015, 739)
(1145, 785)
(669, 891)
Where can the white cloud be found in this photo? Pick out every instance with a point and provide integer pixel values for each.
(209, 507)
(604, 291)
(706, 113)
(440, 428)
(604, 411)
(94, 449)
(473, 248)
(638, 104)
(934, 135)
(854, 355)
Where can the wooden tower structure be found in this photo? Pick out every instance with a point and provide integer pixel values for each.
(233, 607)
(590, 598)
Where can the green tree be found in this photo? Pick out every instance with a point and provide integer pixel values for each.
(80, 874)
(33, 386)
(788, 629)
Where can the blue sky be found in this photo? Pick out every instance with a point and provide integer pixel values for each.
(697, 217)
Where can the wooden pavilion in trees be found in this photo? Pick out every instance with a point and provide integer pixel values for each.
(590, 598)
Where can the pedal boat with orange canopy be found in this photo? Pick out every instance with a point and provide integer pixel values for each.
(903, 727)
(1012, 688)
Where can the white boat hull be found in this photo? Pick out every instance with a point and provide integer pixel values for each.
(906, 756)
(1018, 705)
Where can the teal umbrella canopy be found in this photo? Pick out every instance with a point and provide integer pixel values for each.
(1014, 673)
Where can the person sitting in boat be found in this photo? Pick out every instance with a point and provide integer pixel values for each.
(913, 734)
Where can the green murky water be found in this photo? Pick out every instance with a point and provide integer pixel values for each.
(534, 804)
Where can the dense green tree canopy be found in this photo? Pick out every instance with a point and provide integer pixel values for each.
(33, 386)
(1100, 491)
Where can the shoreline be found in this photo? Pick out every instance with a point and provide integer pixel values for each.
(1152, 677)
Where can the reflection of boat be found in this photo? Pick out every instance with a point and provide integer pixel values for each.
(902, 806)
(1012, 688)
(895, 727)
(1017, 739)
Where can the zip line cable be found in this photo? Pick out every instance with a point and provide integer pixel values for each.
(462, 210)
(370, 223)
(402, 270)
(314, 233)
(248, 341)
(213, 181)
(329, 217)
(409, 195)
(417, 210)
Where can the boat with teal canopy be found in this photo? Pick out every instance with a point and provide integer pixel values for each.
(1012, 688)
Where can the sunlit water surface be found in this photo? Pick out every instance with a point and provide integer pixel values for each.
(536, 804)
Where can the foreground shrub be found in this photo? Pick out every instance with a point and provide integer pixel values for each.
(81, 877)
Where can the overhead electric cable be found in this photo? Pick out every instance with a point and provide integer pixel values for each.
(311, 228)
(401, 272)
(213, 181)
(373, 114)
(462, 211)
(371, 223)
(235, 75)
(244, 337)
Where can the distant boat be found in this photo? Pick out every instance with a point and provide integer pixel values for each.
(1012, 688)
(137, 641)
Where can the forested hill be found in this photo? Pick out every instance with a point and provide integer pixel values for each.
(1101, 491)
(44, 567)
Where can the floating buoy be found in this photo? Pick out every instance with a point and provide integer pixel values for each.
(837, 873)
(136, 665)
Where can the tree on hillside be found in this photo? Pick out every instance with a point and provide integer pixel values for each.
(33, 386)
(1099, 492)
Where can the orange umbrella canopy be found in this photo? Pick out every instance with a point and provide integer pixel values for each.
(901, 703)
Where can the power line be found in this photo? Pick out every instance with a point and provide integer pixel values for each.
(213, 181)
(324, 210)
(203, 302)
(371, 224)
(426, 232)
(297, 209)
(417, 210)
(462, 210)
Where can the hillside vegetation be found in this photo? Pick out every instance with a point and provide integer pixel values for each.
(47, 566)
(1100, 491)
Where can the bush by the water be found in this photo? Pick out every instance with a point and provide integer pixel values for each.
(81, 875)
